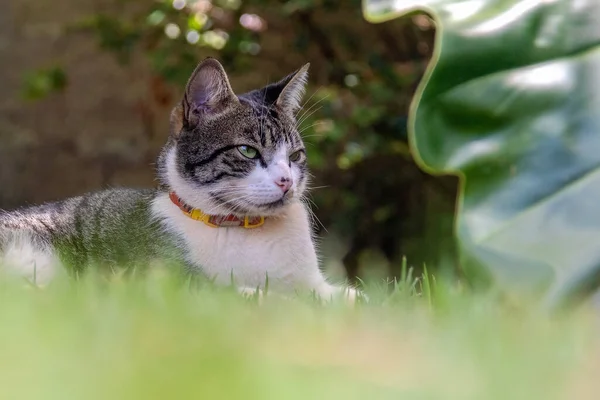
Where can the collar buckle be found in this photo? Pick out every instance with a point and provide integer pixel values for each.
(255, 222)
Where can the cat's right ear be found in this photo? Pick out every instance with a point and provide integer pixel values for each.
(207, 94)
(176, 121)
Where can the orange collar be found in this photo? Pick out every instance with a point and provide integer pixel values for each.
(216, 221)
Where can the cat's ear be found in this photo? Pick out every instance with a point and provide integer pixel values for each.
(287, 93)
(208, 91)
(207, 94)
(176, 120)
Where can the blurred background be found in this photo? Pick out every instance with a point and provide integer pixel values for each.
(87, 87)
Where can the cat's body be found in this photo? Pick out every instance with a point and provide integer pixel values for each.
(239, 158)
(108, 229)
(130, 228)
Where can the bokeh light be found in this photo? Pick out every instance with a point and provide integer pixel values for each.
(216, 39)
(172, 30)
(249, 47)
(201, 6)
(351, 80)
(192, 37)
(179, 4)
(156, 17)
(252, 22)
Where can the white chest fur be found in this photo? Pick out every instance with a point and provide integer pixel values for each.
(281, 249)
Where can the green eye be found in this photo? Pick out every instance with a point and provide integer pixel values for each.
(296, 156)
(247, 151)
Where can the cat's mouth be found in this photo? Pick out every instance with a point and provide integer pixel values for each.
(250, 207)
(269, 207)
(272, 205)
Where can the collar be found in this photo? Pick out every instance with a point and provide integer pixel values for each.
(216, 221)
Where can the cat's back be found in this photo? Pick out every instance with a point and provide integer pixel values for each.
(112, 227)
(96, 210)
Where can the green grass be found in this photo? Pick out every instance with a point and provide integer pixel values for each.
(158, 338)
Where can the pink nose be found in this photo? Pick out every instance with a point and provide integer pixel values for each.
(284, 183)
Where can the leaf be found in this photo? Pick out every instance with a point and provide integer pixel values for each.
(40, 83)
(511, 104)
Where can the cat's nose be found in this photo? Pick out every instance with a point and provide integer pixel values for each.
(284, 183)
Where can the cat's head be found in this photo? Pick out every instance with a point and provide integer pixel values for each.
(236, 154)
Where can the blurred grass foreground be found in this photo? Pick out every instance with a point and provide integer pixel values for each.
(100, 78)
(159, 338)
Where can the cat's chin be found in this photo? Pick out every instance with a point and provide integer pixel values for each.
(271, 209)
(220, 205)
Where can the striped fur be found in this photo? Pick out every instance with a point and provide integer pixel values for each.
(205, 165)
(206, 142)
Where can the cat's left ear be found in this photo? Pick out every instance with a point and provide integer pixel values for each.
(289, 91)
(207, 94)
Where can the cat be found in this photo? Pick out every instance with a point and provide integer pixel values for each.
(228, 205)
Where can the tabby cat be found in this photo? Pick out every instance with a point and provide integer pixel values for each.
(228, 205)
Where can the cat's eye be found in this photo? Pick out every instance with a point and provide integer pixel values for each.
(247, 151)
(296, 156)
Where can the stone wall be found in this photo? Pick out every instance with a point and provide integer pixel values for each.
(104, 130)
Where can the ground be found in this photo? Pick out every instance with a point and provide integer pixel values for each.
(160, 338)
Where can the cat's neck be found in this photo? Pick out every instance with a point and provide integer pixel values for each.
(281, 248)
(293, 213)
(216, 221)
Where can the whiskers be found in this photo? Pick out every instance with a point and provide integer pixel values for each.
(309, 111)
(309, 203)
(235, 200)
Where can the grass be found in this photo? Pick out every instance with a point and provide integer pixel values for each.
(159, 338)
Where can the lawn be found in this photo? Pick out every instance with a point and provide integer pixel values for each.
(160, 338)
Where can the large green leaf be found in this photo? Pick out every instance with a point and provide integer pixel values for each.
(511, 103)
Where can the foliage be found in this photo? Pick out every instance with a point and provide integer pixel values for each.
(510, 104)
(158, 338)
(42, 82)
(367, 187)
